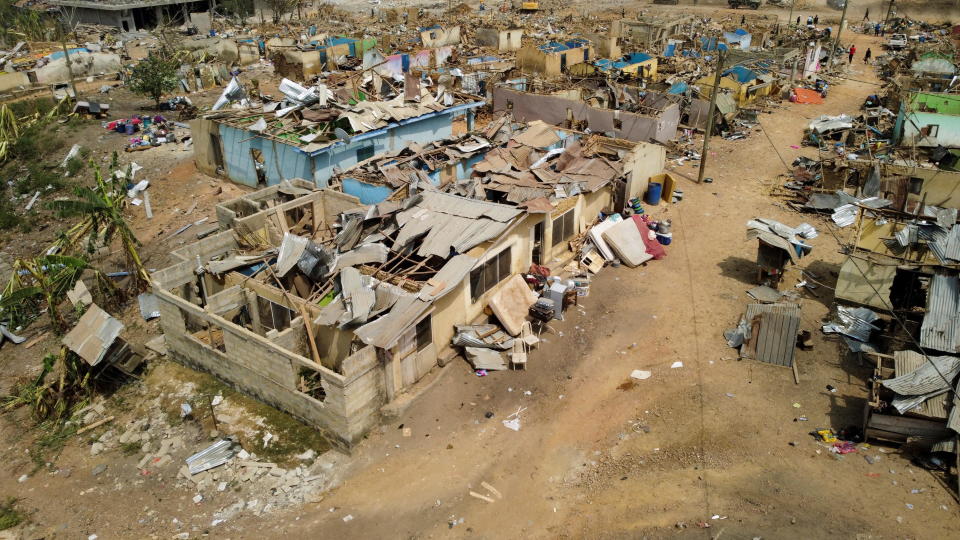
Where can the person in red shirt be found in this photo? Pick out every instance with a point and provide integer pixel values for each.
(853, 51)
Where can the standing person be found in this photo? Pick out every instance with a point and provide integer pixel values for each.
(853, 51)
(816, 19)
(743, 19)
(866, 56)
(866, 14)
(798, 20)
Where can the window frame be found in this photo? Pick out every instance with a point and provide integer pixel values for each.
(423, 333)
(499, 265)
(561, 220)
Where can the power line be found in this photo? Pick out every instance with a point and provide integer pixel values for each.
(890, 308)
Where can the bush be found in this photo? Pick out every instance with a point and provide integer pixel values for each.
(10, 517)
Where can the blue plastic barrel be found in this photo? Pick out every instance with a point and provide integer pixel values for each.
(653, 193)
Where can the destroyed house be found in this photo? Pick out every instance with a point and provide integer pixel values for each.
(390, 175)
(130, 15)
(552, 59)
(330, 310)
(746, 84)
(437, 36)
(654, 31)
(634, 64)
(501, 39)
(929, 120)
(534, 166)
(895, 256)
(262, 146)
(646, 124)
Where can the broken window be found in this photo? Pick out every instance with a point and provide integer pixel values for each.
(563, 228)
(492, 271)
(930, 130)
(509, 105)
(617, 123)
(364, 153)
(916, 185)
(310, 383)
(424, 333)
(273, 316)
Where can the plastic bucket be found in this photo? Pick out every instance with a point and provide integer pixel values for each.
(129, 128)
(653, 193)
(665, 239)
(664, 227)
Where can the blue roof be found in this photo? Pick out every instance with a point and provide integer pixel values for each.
(741, 32)
(434, 27)
(555, 46)
(636, 58)
(745, 75)
(741, 74)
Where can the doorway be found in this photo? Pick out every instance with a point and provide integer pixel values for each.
(536, 253)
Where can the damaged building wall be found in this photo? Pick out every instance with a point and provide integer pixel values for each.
(83, 64)
(260, 365)
(503, 39)
(557, 111)
(551, 63)
(282, 160)
(296, 64)
(929, 130)
(207, 146)
(438, 37)
(14, 81)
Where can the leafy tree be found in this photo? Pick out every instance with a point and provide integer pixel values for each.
(154, 76)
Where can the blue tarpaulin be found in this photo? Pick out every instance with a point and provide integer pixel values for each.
(59, 54)
(678, 87)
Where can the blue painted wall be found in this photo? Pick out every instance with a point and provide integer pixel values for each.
(367, 193)
(283, 161)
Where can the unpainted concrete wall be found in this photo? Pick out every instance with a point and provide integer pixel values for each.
(556, 110)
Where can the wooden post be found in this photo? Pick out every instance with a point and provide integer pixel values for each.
(836, 42)
(711, 111)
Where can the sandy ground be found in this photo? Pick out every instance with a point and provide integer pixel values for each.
(596, 456)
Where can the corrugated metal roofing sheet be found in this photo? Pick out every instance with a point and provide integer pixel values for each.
(927, 377)
(93, 335)
(907, 362)
(939, 328)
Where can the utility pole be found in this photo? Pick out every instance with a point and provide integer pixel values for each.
(790, 17)
(889, 11)
(836, 42)
(711, 111)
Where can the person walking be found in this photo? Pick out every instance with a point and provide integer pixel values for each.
(866, 56)
(866, 14)
(798, 20)
(816, 20)
(876, 29)
(743, 20)
(853, 51)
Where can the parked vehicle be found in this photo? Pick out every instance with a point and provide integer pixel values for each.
(752, 4)
(897, 42)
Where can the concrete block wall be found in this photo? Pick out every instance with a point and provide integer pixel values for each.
(266, 371)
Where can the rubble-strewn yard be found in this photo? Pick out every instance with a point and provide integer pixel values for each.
(424, 270)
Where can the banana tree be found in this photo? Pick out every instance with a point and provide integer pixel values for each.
(101, 210)
(39, 281)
